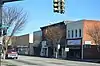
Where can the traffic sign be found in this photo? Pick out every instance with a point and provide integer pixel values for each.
(58, 46)
(4, 26)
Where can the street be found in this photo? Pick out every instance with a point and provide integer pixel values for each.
(38, 61)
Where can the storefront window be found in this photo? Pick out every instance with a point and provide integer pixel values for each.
(76, 33)
(68, 33)
(87, 46)
(72, 33)
(79, 32)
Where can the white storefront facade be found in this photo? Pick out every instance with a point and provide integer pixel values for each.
(74, 34)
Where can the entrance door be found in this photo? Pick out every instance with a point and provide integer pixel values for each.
(74, 54)
(44, 49)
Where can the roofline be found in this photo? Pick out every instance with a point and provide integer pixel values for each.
(22, 35)
(68, 21)
(91, 20)
(52, 24)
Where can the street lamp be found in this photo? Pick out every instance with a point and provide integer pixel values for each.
(1, 23)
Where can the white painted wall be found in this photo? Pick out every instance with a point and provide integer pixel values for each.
(31, 38)
(44, 49)
(73, 26)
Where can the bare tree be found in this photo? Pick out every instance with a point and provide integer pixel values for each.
(94, 33)
(15, 19)
(54, 34)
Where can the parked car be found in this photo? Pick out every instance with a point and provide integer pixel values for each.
(11, 53)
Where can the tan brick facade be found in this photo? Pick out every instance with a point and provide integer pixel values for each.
(90, 53)
(88, 24)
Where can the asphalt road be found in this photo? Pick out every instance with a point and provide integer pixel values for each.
(38, 61)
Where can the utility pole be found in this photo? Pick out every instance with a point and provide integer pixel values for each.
(82, 52)
(1, 37)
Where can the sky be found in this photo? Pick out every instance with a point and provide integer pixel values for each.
(40, 12)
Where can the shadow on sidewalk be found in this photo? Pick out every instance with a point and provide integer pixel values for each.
(85, 60)
(71, 59)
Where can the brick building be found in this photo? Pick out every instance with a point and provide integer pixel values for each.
(49, 50)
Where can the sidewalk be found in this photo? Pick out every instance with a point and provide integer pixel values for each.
(5, 63)
(92, 60)
(2, 63)
(86, 60)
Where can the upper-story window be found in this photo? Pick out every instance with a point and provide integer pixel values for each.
(68, 33)
(72, 33)
(80, 33)
(76, 33)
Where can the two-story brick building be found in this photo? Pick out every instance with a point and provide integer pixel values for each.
(49, 50)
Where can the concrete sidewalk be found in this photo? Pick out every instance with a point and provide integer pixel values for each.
(84, 60)
(2, 63)
(5, 63)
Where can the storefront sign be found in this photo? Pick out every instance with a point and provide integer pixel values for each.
(66, 49)
(74, 42)
(88, 42)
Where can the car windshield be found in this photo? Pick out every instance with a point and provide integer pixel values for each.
(11, 51)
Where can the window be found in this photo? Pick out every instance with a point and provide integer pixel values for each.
(76, 33)
(79, 32)
(72, 34)
(68, 33)
(87, 46)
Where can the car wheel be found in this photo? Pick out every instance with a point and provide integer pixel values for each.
(16, 57)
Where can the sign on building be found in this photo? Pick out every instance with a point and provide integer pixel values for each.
(66, 49)
(58, 46)
(88, 42)
(74, 42)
